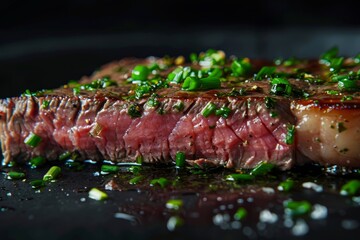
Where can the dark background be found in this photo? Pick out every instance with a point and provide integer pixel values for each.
(44, 44)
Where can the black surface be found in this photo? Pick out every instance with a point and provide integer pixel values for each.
(63, 210)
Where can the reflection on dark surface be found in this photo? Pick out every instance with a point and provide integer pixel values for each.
(209, 204)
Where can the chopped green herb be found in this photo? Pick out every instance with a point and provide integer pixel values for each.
(135, 169)
(15, 175)
(238, 177)
(270, 102)
(209, 109)
(45, 104)
(52, 174)
(65, 156)
(109, 169)
(329, 54)
(136, 180)
(262, 168)
(340, 127)
(37, 162)
(134, 110)
(176, 76)
(180, 159)
(162, 182)
(265, 72)
(215, 73)
(346, 98)
(286, 185)
(140, 72)
(174, 204)
(297, 208)
(96, 194)
(153, 100)
(179, 106)
(75, 165)
(281, 86)
(223, 111)
(37, 183)
(32, 140)
(241, 67)
(193, 57)
(240, 214)
(348, 85)
(139, 159)
(351, 188)
(290, 135)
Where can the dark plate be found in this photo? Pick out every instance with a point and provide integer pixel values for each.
(62, 210)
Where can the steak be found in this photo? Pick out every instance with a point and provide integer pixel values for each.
(285, 114)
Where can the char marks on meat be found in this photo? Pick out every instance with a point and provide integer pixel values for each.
(99, 123)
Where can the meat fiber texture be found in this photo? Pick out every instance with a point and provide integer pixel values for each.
(96, 124)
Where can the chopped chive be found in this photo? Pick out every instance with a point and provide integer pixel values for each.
(193, 57)
(262, 168)
(135, 169)
(174, 204)
(52, 174)
(176, 75)
(208, 109)
(140, 72)
(32, 140)
(15, 175)
(136, 180)
(340, 127)
(269, 102)
(290, 135)
(210, 83)
(162, 182)
(264, 72)
(179, 106)
(347, 84)
(329, 54)
(109, 169)
(65, 156)
(286, 185)
(216, 73)
(45, 104)
(238, 177)
(223, 111)
(96, 194)
(134, 110)
(241, 67)
(297, 208)
(139, 159)
(240, 214)
(37, 183)
(281, 86)
(351, 188)
(75, 165)
(174, 222)
(180, 159)
(37, 162)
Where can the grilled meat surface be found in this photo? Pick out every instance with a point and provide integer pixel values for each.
(294, 113)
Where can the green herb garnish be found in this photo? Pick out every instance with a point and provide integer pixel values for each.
(109, 169)
(15, 175)
(52, 174)
(209, 109)
(96, 194)
(32, 140)
(262, 168)
(351, 188)
(37, 162)
(297, 208)
(180, 159)
(240, 214)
